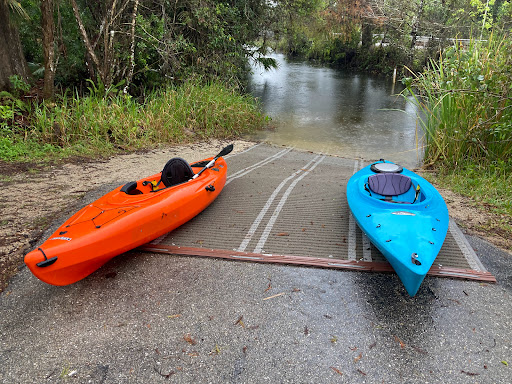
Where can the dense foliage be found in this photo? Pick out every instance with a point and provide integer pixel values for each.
(148, 43)
(171, 41)
(129, 74)
(379, 35)
(466, 99)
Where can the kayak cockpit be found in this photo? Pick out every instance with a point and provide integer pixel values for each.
(176, 171)
(393, 188)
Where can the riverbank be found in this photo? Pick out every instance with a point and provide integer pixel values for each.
(34, 197)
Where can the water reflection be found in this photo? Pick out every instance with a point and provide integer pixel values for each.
(334, 112)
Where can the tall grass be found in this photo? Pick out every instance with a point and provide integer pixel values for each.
(90, 125)
(466, 101)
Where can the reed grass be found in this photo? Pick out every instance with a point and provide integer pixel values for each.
(466, 102)
(92, 125)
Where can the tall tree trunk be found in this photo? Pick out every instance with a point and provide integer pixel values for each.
(48, 27)
(129, 77)
(367, 34)
(12, 59)
(92, 60)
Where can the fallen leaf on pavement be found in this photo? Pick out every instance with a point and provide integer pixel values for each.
(188, 338)
(216, 350)
(240, 322)
(402, 344)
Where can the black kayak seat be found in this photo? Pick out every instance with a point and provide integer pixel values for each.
(176, 171)
(389, 184)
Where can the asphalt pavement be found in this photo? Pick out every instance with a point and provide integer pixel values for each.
(151, 318)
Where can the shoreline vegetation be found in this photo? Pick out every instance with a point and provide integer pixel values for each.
(466, 98)
(100, 124)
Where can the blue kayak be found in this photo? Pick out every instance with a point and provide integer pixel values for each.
(403, 215)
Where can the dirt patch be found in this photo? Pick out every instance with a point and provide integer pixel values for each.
(477, 219)
(9, 169)
(34, 195)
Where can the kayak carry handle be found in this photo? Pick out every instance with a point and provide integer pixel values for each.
(46, 262)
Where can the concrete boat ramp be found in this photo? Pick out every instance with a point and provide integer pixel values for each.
(285, 206)
(152, 317)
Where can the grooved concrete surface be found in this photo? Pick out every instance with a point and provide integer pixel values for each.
(281, 201)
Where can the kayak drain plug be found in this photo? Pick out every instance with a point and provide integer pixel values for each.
(414, 259)
(210, 188)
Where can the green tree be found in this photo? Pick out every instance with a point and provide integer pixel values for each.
(295, 22)
(12, 60)
(148, 43)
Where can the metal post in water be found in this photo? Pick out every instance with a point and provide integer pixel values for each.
(394, 80)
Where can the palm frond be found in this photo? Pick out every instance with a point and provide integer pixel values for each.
(17, 8)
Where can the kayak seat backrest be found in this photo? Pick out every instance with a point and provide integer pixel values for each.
(389, 184)
(176, 171)
(131, 188)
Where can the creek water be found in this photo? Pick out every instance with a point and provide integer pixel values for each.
(336, 112)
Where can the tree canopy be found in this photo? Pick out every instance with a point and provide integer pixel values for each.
(138, 44)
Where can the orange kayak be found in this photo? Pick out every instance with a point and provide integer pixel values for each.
(127, 217)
